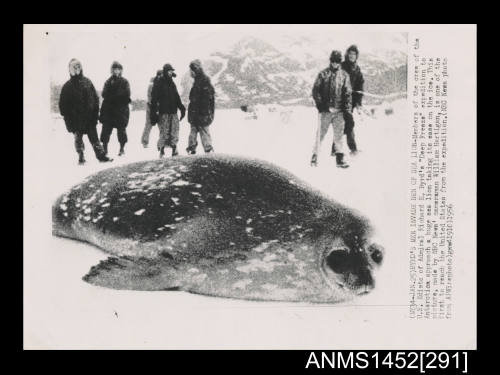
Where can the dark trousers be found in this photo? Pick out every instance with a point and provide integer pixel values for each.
(349, 131)
(120, 132)
(94, 141)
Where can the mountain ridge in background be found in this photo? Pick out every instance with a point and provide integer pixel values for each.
(256, 72)
(253, 72)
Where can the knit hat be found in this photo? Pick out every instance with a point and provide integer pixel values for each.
(116, 65)
(336, 57)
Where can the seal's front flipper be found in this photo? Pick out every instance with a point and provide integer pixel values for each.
(135, 273)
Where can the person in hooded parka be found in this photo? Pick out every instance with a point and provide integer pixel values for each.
(165, 103)
(79, 106)
(201, 108)
(115, 110)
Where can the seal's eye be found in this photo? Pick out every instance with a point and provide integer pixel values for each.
(376, 253)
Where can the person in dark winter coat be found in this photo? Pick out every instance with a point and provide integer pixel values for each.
(201, 108)
(79, 105)
(115, 110)
(332, 95)
(351, 66)
(165, 101)
(150, 120)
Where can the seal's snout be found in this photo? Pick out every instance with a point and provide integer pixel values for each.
(350, 269)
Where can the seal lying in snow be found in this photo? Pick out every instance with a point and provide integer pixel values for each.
(220, 226)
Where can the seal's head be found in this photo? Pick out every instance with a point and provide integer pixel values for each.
(353, 269)
(348, 258)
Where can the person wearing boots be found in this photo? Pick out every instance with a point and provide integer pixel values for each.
(115, 110)
(201, 108)
(332, 95)
(79, 105)
(351, 66)
(150, 120)
(165, 101)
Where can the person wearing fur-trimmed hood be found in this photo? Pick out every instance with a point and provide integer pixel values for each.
(79, 106)
(115, 111)
(201, 108)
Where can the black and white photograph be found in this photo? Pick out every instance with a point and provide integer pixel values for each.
(249, 186)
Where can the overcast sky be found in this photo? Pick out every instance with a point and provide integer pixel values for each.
(142, 49)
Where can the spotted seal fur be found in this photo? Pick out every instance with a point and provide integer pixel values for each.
(221, 226)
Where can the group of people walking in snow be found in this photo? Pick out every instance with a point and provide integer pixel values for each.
(337, 92)
(79, 105)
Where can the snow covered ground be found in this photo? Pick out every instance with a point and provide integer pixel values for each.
(89, 316)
